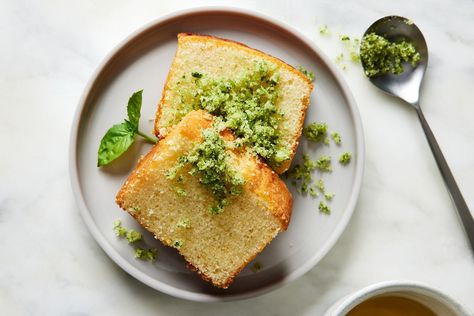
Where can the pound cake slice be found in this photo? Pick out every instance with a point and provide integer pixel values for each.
(262, 99)
(177, 206)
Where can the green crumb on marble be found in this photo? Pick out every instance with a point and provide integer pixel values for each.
(323, 30)
(339, 58)
(345, 158)
(355, 57)
(257, 266)
(324, 208)
(352, 49)
(340, 61)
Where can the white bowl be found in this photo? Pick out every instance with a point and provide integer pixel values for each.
(438, 302)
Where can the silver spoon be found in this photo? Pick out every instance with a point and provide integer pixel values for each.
(406, 86)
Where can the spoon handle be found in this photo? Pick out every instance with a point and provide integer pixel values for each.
(463, 210)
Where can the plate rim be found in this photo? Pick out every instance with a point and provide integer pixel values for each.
(164, 287)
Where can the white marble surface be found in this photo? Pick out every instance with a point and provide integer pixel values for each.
(404, 226)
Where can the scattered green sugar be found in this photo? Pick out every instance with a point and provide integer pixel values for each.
(329, 196)
(133, 236)
(324, 30)
(324, 208)
(195, 74)
(339, 58)
(257, 266)
(302, 174)
(308, 164)
(355, 57)
(246, 105)
(336, 137)
(345, 158)
(140, 253)
(306, 169)
(152, 254)
(320, 185)
(119, 230)
(177, 244)
(210, 163)
(351, 49)
(380, 56)
(305, 72)
(316, 132)
(324, 163)
(184, 223)
(146, 255)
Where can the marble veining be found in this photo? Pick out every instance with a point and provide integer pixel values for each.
(404, 226)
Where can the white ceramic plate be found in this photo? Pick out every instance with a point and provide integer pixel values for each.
(142, 61)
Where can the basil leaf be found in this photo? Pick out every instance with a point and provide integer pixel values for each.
(133, 109)
(115, 142)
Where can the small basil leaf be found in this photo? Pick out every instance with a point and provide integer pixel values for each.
(133, 109)
(115, 142)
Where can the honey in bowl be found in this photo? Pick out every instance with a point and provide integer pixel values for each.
(390, 306)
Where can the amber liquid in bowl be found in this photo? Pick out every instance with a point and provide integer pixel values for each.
(390, 306)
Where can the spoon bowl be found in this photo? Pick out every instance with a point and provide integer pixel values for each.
(406, 86)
